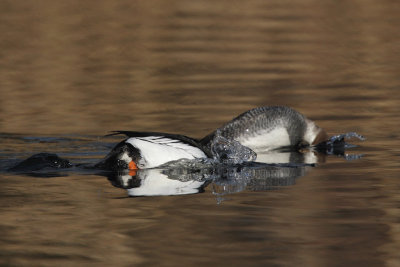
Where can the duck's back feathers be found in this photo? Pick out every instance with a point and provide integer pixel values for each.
(157, 135)
(158, 148)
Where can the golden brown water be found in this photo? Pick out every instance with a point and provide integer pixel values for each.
(78, 69)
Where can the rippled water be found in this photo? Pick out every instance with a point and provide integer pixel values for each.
(71, 72)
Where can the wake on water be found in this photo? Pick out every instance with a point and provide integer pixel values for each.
(224, 152)
(227, 152)
(231, 168)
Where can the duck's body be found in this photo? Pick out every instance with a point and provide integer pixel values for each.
(269, 128)
(261, 129)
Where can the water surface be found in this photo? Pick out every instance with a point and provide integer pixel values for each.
(71, 72)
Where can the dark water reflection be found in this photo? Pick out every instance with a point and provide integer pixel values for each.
(75, 70)
(225, 180)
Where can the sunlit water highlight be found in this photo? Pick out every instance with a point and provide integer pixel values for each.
(71, 71)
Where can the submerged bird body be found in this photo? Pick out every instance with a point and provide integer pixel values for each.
(260, 129)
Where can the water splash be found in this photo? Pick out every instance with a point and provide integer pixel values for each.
(230, 151)
(223, 151)
(340, 137)
(336, 145)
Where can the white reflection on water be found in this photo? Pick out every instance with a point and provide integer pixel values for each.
(270, 170)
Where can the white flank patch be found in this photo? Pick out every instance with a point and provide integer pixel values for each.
(154, 183)
(311, 132)
(267, 140)
(156, 151)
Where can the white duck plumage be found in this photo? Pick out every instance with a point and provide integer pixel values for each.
(261, 129)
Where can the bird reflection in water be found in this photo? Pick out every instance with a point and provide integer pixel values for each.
(223, 175)
(271, 171)
(261, 149)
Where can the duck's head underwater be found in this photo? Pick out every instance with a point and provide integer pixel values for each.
(261, 129)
